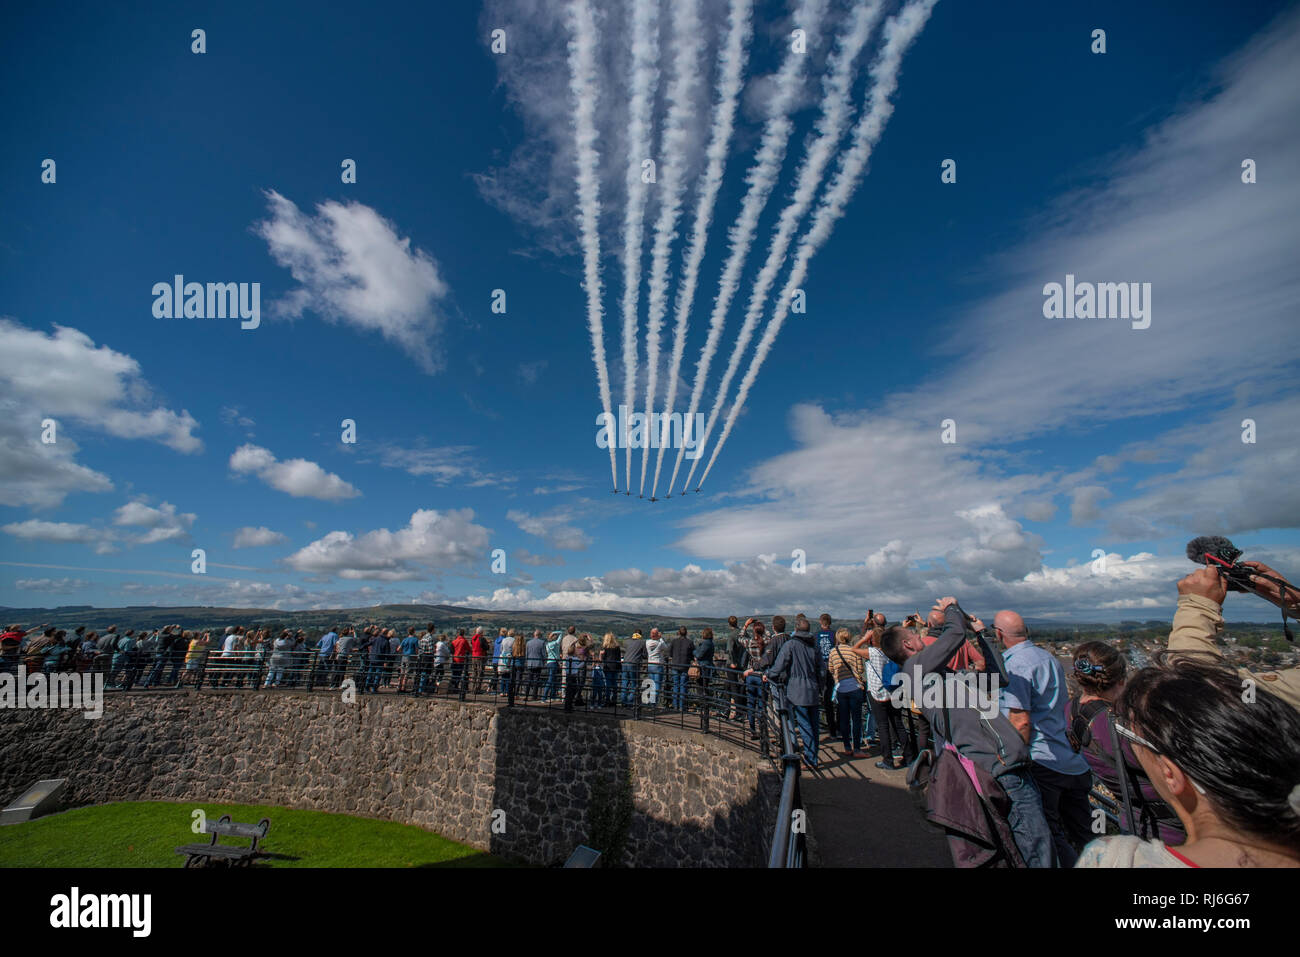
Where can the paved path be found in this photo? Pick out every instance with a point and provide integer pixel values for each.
(862, 816)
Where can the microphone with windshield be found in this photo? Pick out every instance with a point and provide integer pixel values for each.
(1220, 554)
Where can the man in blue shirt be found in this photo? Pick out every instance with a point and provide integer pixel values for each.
(1034, 701)
(325, 657)
(410, 647)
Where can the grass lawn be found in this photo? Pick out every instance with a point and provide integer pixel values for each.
(146, 833)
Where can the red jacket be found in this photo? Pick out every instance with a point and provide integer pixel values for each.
(966, 658)
(459, 649)
(480, 646)
(10, 642)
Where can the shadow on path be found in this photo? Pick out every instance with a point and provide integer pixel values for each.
(862, 816)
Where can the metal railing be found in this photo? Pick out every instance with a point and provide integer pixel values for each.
(789, 847)
(715, 700)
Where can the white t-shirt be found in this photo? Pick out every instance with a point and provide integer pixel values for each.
(228, 645)
(1125, 850)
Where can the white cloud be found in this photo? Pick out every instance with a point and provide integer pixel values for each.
(553, 527)
(1141, 585)
(250, 537)
(352, 267)
(297, 477)
(35, 530)
(163, 524)
(64, 376)
(431, 541)
(443, 464)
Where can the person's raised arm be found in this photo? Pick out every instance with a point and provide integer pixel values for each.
(1199, 618)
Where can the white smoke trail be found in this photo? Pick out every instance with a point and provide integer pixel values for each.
(732, 57)
(762, 177)
(582, 86)
(644, 81)
(836, 108)
(899, 33)
(688, 41)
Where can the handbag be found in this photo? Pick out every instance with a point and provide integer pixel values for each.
(839, 650)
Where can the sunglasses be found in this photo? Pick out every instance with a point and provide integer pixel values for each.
(1136, 738)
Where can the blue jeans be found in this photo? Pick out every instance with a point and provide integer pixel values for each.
(679, 679)
(808, 719)
(850, 718)
(631, 683)
(552, 680)
(753, 698)
(1028, 823)
(657, 676)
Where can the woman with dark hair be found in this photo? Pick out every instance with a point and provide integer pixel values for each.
(1100, 672)
(1224, 757)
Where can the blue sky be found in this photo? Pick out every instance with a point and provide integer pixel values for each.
(475, 430)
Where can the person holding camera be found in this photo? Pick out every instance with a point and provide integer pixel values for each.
(1198, 623)
(991, 743)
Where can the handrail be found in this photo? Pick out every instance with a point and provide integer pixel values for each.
(788, 842)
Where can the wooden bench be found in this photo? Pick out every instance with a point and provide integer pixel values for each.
(228, 855)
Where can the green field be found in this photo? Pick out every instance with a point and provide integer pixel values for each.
(145, 834)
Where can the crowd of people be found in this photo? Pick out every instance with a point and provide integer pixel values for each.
(1202, 762)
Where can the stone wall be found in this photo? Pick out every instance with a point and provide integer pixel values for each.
(439, 764)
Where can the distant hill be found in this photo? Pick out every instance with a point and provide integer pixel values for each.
(451, 617)
(445, 617)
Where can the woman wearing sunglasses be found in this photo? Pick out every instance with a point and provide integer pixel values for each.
(1225, 757)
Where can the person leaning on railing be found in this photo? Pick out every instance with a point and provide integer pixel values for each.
(798, 667)
(634, 662)
(1198, 623)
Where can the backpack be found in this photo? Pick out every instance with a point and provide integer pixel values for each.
(1144, 816)
(1079, 733)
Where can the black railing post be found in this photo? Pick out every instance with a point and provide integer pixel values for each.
(202, 669)
(706, 701)
(313, 663)
(765, 747)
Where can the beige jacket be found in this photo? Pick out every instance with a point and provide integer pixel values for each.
(1198, 622)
